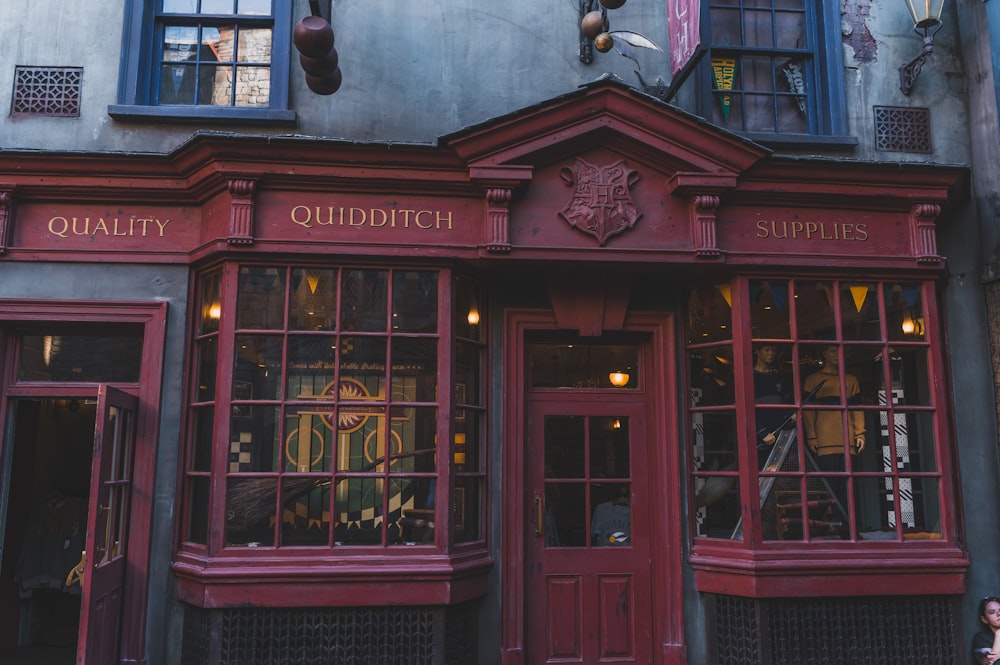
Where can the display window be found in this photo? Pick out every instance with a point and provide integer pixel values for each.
(816, 415)
(335, 408)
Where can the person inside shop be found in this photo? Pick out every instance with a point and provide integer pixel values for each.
(770, 386)
(824, 429)
(986, 642)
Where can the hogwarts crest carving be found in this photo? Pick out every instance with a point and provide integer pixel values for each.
(601, 203)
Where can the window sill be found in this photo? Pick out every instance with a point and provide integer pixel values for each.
(814, 570)
(770, 140)
(202, 114)
(346, 581)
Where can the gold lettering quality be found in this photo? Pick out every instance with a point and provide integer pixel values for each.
(775, 230)
(141, 227)
(395, 218)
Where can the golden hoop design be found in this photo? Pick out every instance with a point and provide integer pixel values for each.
(393, 438)
(288, 447)
(349, 389)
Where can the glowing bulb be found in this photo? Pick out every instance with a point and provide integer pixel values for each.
(215, 311)
(473, 317)
(618, 379)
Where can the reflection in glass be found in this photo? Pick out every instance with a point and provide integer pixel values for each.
(414, 369)
(565, 446)
(197, 510)
(468, 510)
(313, 303)
(204, 427)
(565, 516)
(769, 309)
(814, 310)
(364, 300)
(257, 372)
(207, 350)
(710, 312)
(711, 376)
(210, 302)
(414, 301)
(254, 438)
(261, 298)
(468, 373)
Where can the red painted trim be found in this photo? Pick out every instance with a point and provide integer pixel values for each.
(153, 317)
(667, 624)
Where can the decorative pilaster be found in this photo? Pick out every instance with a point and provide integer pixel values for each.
(498, 219)
(6, 219)
(241, 219)
(703, 210)
(922, 218)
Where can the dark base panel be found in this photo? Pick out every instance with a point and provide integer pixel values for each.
(917, 630)
(343, 635)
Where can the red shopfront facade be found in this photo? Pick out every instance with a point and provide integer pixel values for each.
(543, 392)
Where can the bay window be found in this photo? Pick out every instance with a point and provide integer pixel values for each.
(336, 409)
(817, 418)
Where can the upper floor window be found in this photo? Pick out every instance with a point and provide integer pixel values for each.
(774, 68)
(816, 413)
(205, 59)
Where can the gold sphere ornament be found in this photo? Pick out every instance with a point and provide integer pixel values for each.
(593, 24)
(612, 4)
(603, 42)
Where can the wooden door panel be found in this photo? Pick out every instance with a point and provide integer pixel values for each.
(564, 597)
(615, 609)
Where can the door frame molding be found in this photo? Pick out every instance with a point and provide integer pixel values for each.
(152, 316)
(665, 482)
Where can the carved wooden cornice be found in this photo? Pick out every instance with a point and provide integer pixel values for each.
(923, 217)
(703, 211)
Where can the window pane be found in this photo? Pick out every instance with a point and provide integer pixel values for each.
(904, 312)
(564, 447)
(468, 510)
(217, 6)
(210, 304)
(468, 373)
(308, 440)
(208, 350)
(414, 369)
(414, 442)
(792, 117)
(611, 515)
(204, 428)
(313, 302)
(790, 30)
(758, 29)
(718, 507)
(261, 299)
(468, 309)
(358, 505)
(583, 365)
(770, 310)
(262, 7)
(364, 300)
(609, 448)
(467, 444)
(258, 367)
(414, 301)
(712, 376)
(714, 436)
(710, 314)
(418, 522)
(180, 6)
(110, 358)
(251, 505)
(814, 310)
(254, 438)
(859, 311)
(197, 510)
(305, 511)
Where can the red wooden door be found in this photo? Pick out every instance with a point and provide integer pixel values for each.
(587, 568)
(107, 528)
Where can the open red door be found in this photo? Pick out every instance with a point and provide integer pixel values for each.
(107, 528)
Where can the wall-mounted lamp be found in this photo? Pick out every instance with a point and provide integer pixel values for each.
(926, 15)
(619, 378)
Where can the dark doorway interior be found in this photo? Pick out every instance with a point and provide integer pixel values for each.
(47, 478)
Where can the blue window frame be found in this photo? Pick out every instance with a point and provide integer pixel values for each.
(205, 60)
(774, 70)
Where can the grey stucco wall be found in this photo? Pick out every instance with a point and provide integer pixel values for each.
(157, 283)
(415, 71)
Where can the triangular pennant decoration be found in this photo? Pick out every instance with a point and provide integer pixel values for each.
(723, 76)
(859, 293)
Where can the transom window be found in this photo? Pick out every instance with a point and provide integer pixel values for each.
(818, 409)
(328, 381)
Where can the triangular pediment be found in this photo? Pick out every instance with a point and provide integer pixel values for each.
(608, 115)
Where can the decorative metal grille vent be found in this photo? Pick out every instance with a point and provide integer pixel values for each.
(321, 636)
(53, 91)
(834, 631)
(900, 129)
